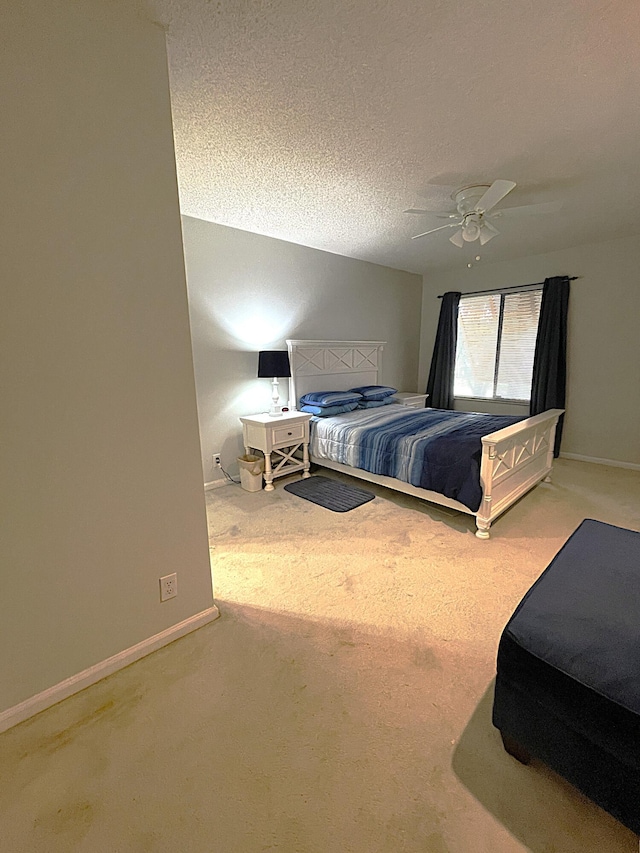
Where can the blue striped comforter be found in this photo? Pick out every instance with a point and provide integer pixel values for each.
(429, 448)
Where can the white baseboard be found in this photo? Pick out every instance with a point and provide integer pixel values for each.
(615, 463)
(76, 683)
(215, 484)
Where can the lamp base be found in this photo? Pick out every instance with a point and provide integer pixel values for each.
(276, 409)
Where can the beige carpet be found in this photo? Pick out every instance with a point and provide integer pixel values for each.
(341, 703)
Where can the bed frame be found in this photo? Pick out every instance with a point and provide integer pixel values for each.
(514, 459)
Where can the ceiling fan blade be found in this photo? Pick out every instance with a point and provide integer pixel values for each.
(457, 239)
(435, 213)
(496, 192)
(433, 230)
(530, 209)
(487, 232)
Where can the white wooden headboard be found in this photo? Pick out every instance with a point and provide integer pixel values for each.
(332, 366)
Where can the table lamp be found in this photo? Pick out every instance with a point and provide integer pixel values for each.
(271, 365)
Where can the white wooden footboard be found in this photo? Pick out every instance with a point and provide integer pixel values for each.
(514, 459)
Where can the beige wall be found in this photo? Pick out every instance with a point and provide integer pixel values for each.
(248, 292)
(101, 483)
(603, 390)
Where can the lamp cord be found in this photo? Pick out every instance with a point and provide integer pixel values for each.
(229, 477)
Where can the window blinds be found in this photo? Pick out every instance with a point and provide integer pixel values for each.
(496, 345)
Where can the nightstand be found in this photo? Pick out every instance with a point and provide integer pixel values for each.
(413, 401)
(278, 438)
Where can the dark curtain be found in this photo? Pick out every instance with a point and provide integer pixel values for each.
(443, 361)
(550, 360)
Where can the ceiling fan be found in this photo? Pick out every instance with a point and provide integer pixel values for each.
(473, 203)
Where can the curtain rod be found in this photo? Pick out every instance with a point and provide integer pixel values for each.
(509, 289)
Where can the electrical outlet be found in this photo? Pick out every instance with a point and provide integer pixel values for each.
(168, 586)
(217, 462)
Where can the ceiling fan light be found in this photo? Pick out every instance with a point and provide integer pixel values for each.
(457, 239)
(470, 231)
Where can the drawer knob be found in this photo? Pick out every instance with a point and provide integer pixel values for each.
(289, 433)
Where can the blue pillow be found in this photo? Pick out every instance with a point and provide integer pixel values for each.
(327, 411)
(373, 404)
(330, 398)
(374, 392)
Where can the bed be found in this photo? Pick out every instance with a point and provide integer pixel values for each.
(513, 459)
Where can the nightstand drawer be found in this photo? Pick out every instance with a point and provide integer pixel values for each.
(288, 433)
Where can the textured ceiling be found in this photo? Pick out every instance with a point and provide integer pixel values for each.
(320, 121)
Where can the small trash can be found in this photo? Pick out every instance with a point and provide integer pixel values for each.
(251, 468)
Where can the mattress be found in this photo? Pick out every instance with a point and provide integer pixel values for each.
(568, 683)
(433, 449)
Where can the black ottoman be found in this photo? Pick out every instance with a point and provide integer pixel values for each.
(568, 680)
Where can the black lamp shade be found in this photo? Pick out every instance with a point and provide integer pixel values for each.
(273, 363)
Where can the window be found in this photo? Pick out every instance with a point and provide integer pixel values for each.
(496, 345)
